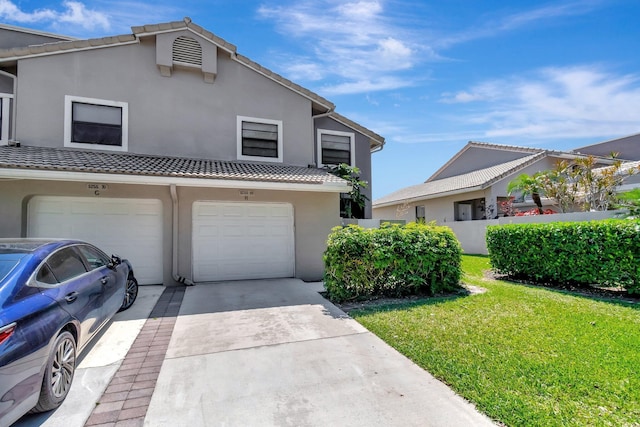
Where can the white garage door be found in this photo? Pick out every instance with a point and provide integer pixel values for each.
(131, 228)
(234, 241)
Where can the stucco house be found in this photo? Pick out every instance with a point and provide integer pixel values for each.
(471, 185)
(170, 148)
(626, 148)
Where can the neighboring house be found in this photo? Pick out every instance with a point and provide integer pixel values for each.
(173, 150)
(627, 148)
(16, 37)
(471, 185)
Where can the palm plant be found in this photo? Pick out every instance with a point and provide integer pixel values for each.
(528, 185)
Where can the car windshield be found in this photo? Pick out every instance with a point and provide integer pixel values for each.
(8, 262)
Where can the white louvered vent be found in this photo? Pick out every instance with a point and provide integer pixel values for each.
(187, 51)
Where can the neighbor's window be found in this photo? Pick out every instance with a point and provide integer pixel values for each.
(5, 117)
(95, 123)
(335, 147)
(259, 139)
(420, 213)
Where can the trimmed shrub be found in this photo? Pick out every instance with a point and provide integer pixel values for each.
(394, 260)
(576, 253)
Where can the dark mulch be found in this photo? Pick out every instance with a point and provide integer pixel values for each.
(599, 292)
(359, 304)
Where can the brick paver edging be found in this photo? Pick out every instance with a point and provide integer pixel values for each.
(125, 401)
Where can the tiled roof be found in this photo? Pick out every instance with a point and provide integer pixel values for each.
(478, 179)
(74, 160)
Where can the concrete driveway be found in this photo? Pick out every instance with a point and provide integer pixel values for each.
(275, 353)
(248, 353)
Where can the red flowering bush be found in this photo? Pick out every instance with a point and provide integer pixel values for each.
(534, 211)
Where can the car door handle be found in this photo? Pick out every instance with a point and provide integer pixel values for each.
(104, 280)
(71, 297)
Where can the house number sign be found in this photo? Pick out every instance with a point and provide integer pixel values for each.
(97, 188)
(246, 194)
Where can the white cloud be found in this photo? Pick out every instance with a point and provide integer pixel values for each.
(552, 103)
(357, 43)
(491, 26)
(71, 12)
(366, 85)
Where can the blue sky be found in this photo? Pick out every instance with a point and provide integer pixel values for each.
(427, 75)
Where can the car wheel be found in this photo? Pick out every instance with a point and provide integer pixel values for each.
(58, 374)
(130, 294)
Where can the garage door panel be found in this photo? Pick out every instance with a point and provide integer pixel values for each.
(255, 240)
(111, 224)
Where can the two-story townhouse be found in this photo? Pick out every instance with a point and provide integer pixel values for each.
(170, 148)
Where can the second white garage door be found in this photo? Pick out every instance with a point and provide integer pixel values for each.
(234, 241)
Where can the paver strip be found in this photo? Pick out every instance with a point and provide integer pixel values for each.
(126, 399)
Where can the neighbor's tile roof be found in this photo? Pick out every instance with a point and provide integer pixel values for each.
(477, 179)
(74, 160)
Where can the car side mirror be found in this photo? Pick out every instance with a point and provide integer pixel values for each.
(115, 261)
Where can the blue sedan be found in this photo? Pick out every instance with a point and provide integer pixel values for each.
(55, 295)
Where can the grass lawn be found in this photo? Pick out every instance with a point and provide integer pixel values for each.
(525, 356)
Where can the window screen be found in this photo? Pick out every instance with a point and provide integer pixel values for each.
(96, 124)
(259, 139)
(336, 149)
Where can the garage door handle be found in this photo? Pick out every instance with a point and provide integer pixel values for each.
(71, 297)
(104, 280)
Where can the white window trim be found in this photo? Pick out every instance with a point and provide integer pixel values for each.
(68, 102)
(6, 118)
(278, 123)
(351, 135)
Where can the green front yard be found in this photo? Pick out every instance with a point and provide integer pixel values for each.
(525, 356)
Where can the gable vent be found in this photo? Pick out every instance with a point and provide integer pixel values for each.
(187, 50)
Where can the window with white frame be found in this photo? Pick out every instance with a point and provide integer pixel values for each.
(420, 213)
(335, 147)
(259, 139)
(5, 117)
(96, 123)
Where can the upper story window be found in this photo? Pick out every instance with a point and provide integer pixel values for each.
(259, 139)
(96, 123)
(335, 147)
(5, 117)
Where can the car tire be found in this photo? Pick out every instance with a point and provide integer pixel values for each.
(58, 374)
(130, 293)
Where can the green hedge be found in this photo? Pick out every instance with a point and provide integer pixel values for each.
(577, 253)
(394, 260)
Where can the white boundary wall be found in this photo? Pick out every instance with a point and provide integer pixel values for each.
(471, 234)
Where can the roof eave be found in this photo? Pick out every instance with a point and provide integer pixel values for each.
(141, 179)
(430, 196)
(376, 142)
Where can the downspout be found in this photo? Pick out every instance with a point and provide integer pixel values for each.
(174, 231)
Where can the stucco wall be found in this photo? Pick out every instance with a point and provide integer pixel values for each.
(314, 214)
(179, 115)
(472, 234)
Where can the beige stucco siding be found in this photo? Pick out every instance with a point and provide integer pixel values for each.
(314, 214)
(179, 115)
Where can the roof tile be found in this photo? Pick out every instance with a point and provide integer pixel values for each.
(74, 160)
(480, 178)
